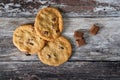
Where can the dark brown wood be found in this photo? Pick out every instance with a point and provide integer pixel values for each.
(69, 8)
(90, 62)
(75, 2)
(70, 71)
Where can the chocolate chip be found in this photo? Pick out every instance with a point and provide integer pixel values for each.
(94, 30)
(80, 42)
(55, 55)
(46, 32)
(57, 31)
(61, 47)
(78, 35)
(49, 56)
(77, 39)
(31, 43)
(53, 19)
(27, 54)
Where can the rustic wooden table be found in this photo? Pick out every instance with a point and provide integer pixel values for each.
(98, 60)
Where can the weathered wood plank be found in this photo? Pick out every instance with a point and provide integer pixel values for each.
(104, 46)
(67, 71)
(69, 8)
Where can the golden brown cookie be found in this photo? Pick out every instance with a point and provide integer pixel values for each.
(26, 40)
(48, 23)
(56, 52)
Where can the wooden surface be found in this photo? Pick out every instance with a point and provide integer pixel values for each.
(98, 60)
(69, 71)
(104, 46)
(69, 8)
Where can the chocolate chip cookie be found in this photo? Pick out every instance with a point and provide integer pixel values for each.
(48, 23)
(26, 40)
(56, 52)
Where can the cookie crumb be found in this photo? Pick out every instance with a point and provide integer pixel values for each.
(94, 29)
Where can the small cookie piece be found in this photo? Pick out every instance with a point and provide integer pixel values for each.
(56, 52)
(48, 23)
(78, 35)
(94, 30)
(26, 40)
(80, 42)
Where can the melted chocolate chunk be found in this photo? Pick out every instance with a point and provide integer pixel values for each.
(94, 30)
(55, 55)
(46, 32)
(61, 47)
(31, 43)
(49, 56)
(78, 35)
(53, 19)
(57, 31)
(80, 42)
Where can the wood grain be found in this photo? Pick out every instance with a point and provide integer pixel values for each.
(67, 71)
(93, 61)
(69, 8)
(104, 46)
